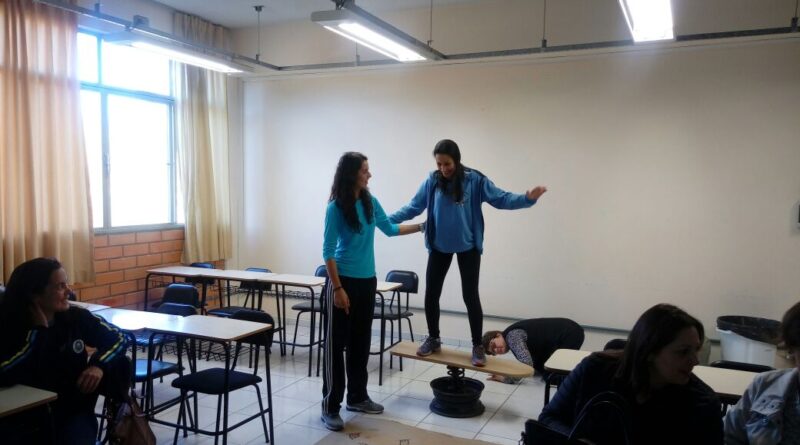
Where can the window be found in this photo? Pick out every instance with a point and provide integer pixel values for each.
(127, 109)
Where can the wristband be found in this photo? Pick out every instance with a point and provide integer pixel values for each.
(337, 288)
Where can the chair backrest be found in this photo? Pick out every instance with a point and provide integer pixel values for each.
(181, 294)
(247, 285)
(184, 310)
(750, 367)
(262, 338)
(617, 343)
(409, 279)
(202, 265)
(321, 271)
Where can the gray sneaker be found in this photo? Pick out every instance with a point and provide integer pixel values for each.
(478, 356)
(367, 406)
(429, 346)
(333, 421)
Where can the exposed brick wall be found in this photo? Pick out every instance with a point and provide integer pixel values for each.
(121, 261)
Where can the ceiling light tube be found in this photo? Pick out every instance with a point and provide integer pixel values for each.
(648, 20)
(176, 52)
(377, 35)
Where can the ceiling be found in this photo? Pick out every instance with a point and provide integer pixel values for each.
(236, 14)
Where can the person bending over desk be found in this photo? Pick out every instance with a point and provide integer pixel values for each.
(533, 342)
(664, 402)
(45, 343)
(769, 411)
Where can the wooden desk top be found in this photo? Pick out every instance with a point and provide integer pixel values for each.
(297, 280)
(214, 328)
(130, 320)
(233, 274)
(198, 326)
(91, 307)
(386, 286)
(178, 271)
(724, 382)
(459, 359)
(564, 360)
(14, 399)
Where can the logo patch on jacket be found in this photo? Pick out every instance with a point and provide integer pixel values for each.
(78, 346)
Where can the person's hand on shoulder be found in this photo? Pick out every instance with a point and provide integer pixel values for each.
(536, 192)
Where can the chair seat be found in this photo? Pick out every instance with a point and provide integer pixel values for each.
(227, 311)
(159, 369)
(212, 381)
(305, 306)
(392, 314)
(143, 338)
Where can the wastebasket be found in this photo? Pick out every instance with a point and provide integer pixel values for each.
(748, 339)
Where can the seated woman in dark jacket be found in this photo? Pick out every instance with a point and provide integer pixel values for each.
(665, 403)
(45, 344)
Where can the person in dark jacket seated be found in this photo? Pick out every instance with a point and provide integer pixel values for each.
(533, 342)
(664, 402)
(45, 345)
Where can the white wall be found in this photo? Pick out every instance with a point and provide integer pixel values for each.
(673, 175)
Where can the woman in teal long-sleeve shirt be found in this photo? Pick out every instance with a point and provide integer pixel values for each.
(348, 250)
(453, 195)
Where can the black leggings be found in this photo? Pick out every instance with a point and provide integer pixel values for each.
(469, 264)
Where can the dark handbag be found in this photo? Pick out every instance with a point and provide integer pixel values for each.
(608, 409)
(130, 426)
(537, 433)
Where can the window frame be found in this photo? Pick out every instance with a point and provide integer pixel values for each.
(104, 92)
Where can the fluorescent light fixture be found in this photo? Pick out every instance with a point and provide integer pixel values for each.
(648, 20)
(176, 52)
(375, 34)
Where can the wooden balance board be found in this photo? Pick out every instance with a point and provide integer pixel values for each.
(457, 395)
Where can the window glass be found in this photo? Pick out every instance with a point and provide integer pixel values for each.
(87, 58)
(135, 69)
(138, 142)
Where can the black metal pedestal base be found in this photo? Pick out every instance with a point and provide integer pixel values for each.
(456, 395)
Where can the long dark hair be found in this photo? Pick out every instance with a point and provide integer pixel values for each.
(344, 182)
(790, 328)
(654, 330)
(450, 148)
(26, 281)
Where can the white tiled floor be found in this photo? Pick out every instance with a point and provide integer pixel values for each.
(405, 395)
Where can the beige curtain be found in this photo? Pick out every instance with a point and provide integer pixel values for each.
(202, 152)
(45, 206)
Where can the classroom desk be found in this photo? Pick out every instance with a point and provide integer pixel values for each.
(215, 329)
(225, 331)
(280, 281)
(91, 307)
(18, 398)
(726, 383)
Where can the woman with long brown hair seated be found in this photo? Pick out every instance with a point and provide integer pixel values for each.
(662, 401)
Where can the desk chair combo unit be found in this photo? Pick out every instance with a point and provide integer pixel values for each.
(251, 289)
(398, 282)
(315, 309)
(221, 381)
(456, 395)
